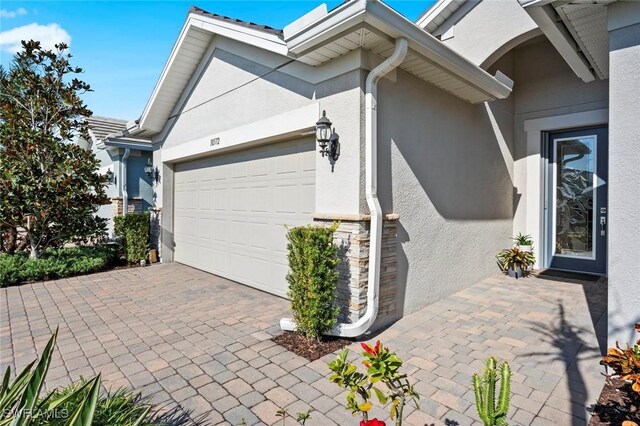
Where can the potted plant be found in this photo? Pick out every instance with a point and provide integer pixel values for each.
(524, 242)
(515, 261)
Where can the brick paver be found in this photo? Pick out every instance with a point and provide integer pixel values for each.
(198, 344)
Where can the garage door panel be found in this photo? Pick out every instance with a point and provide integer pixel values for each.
(231, 211)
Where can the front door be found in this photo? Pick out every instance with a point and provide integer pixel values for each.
(577, 200)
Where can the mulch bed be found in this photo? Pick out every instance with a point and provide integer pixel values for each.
(310, 349)
(616, 404)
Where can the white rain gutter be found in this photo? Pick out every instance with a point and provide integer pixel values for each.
(361, 326)
(125, 195)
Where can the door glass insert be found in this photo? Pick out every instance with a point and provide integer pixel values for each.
(574, 193)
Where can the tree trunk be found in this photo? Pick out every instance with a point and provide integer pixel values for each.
(33, 253)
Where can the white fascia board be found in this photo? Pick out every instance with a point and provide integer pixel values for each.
(341, 19)
(260, 39)
(226, 29)
(131, 143)
(271, 129)
(544, 17)
(383, 17)
(432, 13)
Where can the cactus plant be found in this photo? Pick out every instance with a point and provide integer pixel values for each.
(490, 412)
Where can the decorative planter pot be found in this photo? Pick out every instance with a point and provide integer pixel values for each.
(526, 248)
(515, 272)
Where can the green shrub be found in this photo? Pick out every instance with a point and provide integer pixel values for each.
(132, 231)
(312, 278)
(54, 263)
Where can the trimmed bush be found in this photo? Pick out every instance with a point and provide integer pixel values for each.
(312, 278)
(132, 231)
(54, 263)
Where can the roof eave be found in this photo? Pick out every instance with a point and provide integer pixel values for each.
(387, 20)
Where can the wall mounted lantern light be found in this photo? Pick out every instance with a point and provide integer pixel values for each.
(152, 172)
(111, 178)
(148, 169)
(327, 138)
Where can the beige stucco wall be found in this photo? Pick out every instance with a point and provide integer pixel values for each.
(444, 173)
(624, 177)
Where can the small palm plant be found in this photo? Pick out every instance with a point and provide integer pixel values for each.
(492, 412)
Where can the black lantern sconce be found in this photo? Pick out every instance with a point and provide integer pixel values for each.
(111, 178)
(151, 172)
(327, 138)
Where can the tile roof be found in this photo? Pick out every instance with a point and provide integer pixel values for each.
(101, 127)
(264, 28)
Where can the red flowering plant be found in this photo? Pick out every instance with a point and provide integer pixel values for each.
(382, 379)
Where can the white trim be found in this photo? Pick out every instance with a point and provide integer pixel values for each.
(432, 13)
(533, 168)
(386, 20)
(553, 199)
(559, 36)
(288, 124)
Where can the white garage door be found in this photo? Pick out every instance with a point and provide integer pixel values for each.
(231, 211)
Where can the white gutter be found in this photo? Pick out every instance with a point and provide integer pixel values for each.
(361, 326)
(123, 178)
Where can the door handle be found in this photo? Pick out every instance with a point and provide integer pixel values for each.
(603, 226)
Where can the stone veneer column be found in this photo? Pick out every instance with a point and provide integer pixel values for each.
(352, 236)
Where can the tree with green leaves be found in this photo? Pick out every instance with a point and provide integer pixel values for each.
(50, 188)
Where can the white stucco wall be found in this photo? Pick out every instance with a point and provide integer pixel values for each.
(235, 90)
(488, 30)
(624, 174)
(444, 172)
(544, 88)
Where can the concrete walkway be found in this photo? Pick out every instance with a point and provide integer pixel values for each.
(195, 341)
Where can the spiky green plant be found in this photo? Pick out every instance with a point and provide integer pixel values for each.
(492, 412)
(77, 405)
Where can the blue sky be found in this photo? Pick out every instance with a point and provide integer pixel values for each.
(122, 46)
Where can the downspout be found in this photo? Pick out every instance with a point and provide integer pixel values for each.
(125, 195)
(361, 326)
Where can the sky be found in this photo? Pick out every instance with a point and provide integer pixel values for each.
(123, 45)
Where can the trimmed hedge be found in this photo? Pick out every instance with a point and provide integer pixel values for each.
(54, 263)
(312, 278)
(132, 231)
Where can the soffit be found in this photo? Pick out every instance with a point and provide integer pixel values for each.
(381, 45)
(586, 20)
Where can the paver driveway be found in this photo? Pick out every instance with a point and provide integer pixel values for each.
(184, 337)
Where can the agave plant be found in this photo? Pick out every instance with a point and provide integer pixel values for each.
(22, 405)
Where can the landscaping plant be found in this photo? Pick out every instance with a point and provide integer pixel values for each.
(132, 231)
(312, 278)
(54, 263)
(382, 368)
(50, 187)
(523, 240)
(493, 412)
(77, 405)
(625, 362)
(514, 257)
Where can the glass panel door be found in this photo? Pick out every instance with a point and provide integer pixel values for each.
(576, 227)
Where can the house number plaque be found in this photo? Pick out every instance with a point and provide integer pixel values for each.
(215, 141)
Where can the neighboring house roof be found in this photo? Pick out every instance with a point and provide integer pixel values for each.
(265, 28)
(101, 127)
(316, 38)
